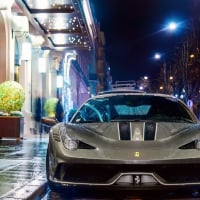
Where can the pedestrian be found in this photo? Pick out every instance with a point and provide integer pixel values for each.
(59, 112)
(37, 115)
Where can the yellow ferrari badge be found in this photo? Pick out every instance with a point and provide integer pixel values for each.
(137, 154)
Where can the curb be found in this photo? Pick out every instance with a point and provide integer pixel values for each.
(39, 192)
(32, 191)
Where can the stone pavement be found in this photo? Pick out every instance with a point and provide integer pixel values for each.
(22, 167)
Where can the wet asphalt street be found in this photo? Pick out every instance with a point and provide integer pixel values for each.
(22, 167)
(23, 176)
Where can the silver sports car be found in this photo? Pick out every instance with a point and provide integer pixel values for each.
(126, 140)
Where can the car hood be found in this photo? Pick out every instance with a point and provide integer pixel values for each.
(132, 130)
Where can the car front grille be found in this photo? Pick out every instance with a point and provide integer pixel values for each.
(105, 174)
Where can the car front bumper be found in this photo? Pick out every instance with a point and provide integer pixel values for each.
(126, 175)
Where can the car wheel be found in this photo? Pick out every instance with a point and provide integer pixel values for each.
(52, 186)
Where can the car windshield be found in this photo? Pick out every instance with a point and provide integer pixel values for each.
(131, 108)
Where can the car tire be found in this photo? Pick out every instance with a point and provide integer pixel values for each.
(53, 187)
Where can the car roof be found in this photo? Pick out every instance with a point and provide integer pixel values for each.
(133, 92)
(120, 91)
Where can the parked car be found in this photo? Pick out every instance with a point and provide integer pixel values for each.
(126, 140)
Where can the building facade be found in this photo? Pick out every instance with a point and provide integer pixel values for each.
(50, 59)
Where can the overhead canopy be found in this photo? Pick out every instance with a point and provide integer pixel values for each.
(64, 24)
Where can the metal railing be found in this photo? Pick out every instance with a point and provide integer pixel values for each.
(130, 85)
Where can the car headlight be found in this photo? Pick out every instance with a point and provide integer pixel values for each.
(69, 142)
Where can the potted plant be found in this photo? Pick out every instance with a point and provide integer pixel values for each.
(49, 108)
(12, 97)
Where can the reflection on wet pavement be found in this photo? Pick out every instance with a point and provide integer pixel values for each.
(21, 163)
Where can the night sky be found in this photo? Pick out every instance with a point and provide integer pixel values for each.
(134, 32)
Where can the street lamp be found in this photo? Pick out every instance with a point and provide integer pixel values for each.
(172, 26)
(158, 56)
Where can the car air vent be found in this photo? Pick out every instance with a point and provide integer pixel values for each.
(150, 131)
(190, 145)
(124, 130)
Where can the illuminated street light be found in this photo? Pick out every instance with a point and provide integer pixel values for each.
(161, 87)
(172, 26)
(158, 56)
(192, 56)
(141, 88)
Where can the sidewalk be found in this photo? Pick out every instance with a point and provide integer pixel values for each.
(22, 167)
